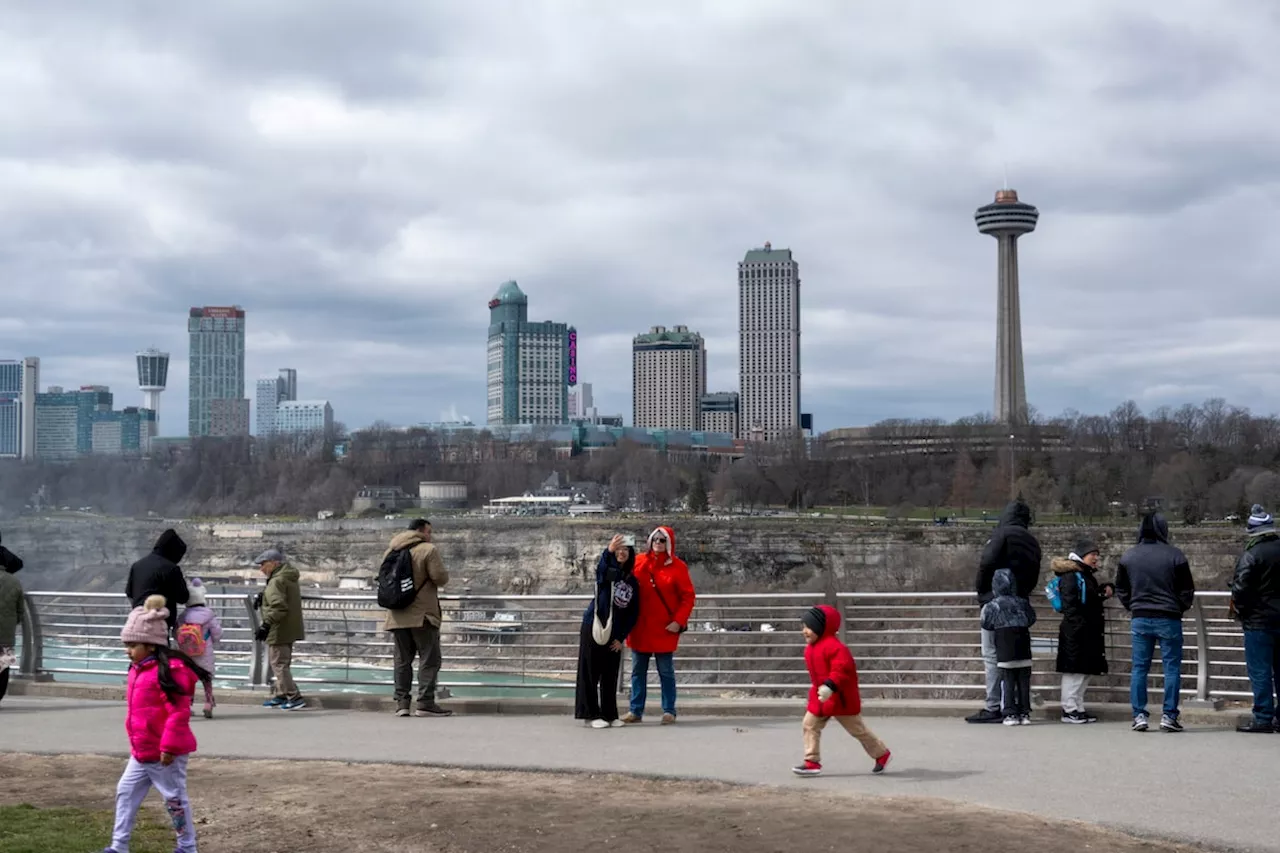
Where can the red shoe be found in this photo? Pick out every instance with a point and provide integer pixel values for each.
(809, 768)
(882, 762)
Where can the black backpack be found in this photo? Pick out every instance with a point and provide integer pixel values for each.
(396, 589)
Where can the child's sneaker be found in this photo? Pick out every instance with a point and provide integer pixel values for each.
(274, 702)
(813, 768)
(294, 704)
(1011, 720)
(1140, 722)
(882, 762)
(1170, 724)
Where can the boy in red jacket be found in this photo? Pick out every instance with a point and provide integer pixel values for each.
(834, 691)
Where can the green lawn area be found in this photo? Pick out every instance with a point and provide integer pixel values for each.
(26, 829)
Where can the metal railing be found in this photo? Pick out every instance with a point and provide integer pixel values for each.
(907, 644)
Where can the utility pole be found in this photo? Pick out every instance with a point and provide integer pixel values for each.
(1013, 471)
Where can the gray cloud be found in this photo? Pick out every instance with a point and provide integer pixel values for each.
(361, 177)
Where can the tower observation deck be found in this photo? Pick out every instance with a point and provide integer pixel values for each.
(1007, 219)
(153, 376)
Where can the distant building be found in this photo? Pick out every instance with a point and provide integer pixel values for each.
(669, 377)
(531, 366)
(719, 413)
(580, 401)
(228, 417)
(288, 383)
(30, 388)
(57, 420)
(10, 409)
(304, 416)
(216, 366)
(769, 344)
(128, 432)
(153, 376)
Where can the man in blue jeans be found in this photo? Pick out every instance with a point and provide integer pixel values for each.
(1154, 583)
(1255, 595)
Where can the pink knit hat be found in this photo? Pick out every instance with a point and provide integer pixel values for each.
(148, 623)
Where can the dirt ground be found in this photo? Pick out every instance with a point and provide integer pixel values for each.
(327, 807)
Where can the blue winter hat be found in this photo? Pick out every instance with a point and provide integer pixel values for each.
(1260, 521)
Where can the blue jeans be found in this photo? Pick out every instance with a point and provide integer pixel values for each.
(1262, 658)
(1145, 634)
(640, 676)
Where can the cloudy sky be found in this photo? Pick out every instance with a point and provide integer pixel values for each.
(362, 176)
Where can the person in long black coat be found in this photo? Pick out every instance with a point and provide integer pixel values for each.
(1082, 649)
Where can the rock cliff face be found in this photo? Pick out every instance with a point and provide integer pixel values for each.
(557, 555)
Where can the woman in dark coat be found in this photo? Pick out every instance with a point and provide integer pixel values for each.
(606, 623)
(1082, 650)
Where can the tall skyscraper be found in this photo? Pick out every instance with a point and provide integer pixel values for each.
(10, 409)
(30, 388)
(669, 377)
(531, 366)
(153, 376)
(1007, 219)
(271, 391)
(769, 343)
(216, 363)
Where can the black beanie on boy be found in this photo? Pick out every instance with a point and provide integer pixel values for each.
(815, 620)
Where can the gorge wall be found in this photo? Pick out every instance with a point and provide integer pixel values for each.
(557, 555)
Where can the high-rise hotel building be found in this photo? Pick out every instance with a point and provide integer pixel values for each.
(769, 344)
(531, 366)
(669, 377)
(216, 366)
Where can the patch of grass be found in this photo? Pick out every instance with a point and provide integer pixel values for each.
(27, 829)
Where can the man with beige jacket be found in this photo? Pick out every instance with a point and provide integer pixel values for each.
(415, 630)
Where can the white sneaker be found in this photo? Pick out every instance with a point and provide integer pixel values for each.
(617, 724)
(1025, 720)
(1011, 721)
(599, 724)
(1140, 723)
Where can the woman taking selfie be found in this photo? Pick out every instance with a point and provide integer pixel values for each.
(666, 603)
(605, 625)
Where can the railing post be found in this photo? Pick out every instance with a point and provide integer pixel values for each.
(259, 648)
(32, 639)
(1202, 652)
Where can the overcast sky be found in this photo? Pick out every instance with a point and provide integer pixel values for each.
(362, 176)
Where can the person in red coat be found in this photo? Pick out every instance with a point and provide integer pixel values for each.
(834, 691)
(666, 603)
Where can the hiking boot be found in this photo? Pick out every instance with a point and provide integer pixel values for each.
(1170, 724)
(294, 704)
(1139, 722)
(986, 715)
(882, 762)
(599, 724)
(630, 718)
(433, 711)
(274, 702)
(811, 768)
(1012, 720)
(1254, 727)
(668, 719)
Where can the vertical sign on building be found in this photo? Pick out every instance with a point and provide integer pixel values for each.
(572, 377)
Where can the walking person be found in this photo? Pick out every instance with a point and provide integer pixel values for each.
(12, 609)
(1012, 546)
(666, 603)
(1154, 583)
(199, 632)
(281, 627)
(606, 623)
(1082, 649)
(833, 692)
(1009, 618)
(1255, 594)
(161, 686)
(158, 573)
(415, 629)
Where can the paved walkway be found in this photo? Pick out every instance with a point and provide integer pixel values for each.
(1210, 786)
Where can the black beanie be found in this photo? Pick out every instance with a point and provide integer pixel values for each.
(1085, 547)
(815, 620)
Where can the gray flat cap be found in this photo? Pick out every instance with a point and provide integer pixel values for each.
(271, 555)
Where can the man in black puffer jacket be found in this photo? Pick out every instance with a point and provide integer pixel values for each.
(1012, 546)
(1154, 583)
(158, 573)
(1255, 592)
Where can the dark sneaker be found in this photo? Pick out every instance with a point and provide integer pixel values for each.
(1073, 717)
(1170, 724)
(402, 712)
(812, 768)
(274, 702)
(1140, 722)
(985, 716)
(1087, 717)
(433, 711)
(294, 704)
(1253, 727)
(882, 762)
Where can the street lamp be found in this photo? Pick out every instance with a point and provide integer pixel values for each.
(1013, 471)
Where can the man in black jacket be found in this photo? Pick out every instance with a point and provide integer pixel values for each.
(1012, 546)
(1154, 583)
(1255, 592)
(158, 573)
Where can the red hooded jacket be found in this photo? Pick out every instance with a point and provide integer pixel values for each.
(830, 662)
(666, 596)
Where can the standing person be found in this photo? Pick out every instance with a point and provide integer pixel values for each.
(281, 626)
(415, 630)
(1009, 618)
(158, 573)
(162, 683)
(606, 623)
(666, 603)
(1255, 592)
(12, 608)
(1154, 583)
(1012, 546)
(1082, 648)
(199, 632)
(833, 691)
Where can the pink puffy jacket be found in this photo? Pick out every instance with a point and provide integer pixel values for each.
(154, 723)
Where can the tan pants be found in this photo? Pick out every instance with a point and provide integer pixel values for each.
(281, 658)
(813, 726)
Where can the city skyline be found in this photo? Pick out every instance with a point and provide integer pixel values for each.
(622, 198)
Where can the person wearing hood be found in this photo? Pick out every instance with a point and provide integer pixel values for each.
(281, 626)
(158, 573)
(1255, 593)
(606, 623)
(1082, 649)
(12, 609)
(1009, 617)
(199, 632)
(666, 603)
(1154, 583)
(833, 691)
(1012, 546)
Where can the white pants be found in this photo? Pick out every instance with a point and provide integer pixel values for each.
(1073, 687)
(171, 782)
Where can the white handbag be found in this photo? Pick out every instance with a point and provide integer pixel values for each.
(602, 633)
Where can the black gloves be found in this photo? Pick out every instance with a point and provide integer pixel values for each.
(263, 630)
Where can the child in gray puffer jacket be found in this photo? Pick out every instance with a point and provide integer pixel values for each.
(1011, 618)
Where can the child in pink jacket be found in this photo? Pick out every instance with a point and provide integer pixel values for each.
(162, 682)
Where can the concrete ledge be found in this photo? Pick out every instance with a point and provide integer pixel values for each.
(1193, 713)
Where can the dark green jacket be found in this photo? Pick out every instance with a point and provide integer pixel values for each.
(11, 607)
(282, 607)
